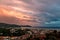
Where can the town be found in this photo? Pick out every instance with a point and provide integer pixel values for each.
(16, 32)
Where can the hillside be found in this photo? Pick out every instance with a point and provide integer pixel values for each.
(12, 25)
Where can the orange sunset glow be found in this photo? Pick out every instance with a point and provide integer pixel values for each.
(23, 12)
(8, 15)
(30, 12)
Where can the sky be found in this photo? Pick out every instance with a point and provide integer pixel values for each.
(30, 12)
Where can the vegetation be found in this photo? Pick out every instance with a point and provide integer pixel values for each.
(5, 30)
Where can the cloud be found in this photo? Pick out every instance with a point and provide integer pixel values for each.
(37, 12)
(14, 17)
(53, 24)
(51, 14)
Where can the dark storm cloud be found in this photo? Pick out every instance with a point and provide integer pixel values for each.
(52, 14)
